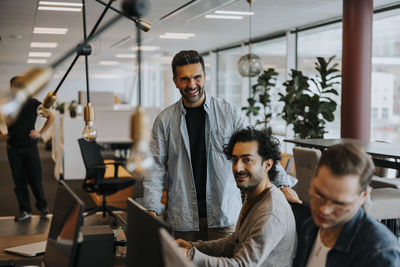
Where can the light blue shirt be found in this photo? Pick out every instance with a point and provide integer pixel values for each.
(171, 150)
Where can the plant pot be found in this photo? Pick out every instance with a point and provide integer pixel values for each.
(72, 113)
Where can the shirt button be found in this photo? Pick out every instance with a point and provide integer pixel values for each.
(194, 203)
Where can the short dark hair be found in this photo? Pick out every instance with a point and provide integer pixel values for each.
(187, 57)
(268, 145)
(348, 159)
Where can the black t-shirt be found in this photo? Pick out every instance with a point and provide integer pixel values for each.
(22, 126)
(195, 122)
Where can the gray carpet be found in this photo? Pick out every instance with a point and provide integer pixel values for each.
(8, 201)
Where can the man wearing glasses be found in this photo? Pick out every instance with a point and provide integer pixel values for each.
(340, 233)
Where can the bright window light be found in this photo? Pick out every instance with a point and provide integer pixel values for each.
(44, 44)
(229, 12)
(57, 8)
(36, 61)
(50, 30)
(59, 3)
(146, 48)
(222, 17)
(39, 54)
(108, 63)
(125, 55)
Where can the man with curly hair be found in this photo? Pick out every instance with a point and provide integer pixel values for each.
(265, 232)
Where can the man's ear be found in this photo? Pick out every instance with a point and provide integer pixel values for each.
(175, 80)
(268, 164)
(365, 195)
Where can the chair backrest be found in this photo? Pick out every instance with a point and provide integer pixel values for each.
(301, 213)
(306, 161)
(91, 157)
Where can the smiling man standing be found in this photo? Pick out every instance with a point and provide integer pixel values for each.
(187, 145)
(340, 233)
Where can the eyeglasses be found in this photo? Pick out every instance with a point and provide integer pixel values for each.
(320, 200)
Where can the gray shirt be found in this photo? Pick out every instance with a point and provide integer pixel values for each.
(266, 237)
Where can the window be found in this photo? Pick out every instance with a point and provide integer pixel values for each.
(322, 42)
(386, 77)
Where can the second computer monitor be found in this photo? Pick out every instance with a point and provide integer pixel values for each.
(144, 245)
(62, 242)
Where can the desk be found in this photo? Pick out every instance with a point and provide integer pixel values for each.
(12, 241)
(376, 149)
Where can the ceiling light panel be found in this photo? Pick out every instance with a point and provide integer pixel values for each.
(146, 48)
(58, 8)
(44, 44)
(51, 3)
(229, 12)
(108, 63)
(176, 35)
(39, 54)
(222, 17)
(36, 61)
(50, 30)
(125, 55)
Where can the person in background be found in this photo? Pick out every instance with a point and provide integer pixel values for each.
(265, 232)
(187, 143)
(23, 156)
(340, 233)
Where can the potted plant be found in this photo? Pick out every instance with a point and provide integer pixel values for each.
(260, 97)
(60, 106)
(308, 110)
(73, 108)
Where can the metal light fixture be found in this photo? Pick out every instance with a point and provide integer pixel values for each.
(250, 65)
(140, 159)
(89, 132)
(43, 109)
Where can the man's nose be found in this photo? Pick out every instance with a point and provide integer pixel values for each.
(192, 83)
(238, 166)
(326, 208)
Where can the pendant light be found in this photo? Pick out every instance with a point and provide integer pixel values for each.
(250, 65)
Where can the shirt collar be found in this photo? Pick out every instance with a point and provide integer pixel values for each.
(207, 104)
(350, 231)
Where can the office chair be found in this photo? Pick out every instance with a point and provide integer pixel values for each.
(306, 161)
(95, 182)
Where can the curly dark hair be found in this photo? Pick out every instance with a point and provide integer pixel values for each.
(187, 57)
(268, 145)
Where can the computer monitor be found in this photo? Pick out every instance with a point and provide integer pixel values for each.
(61, 249)
(144, 245)
(173, 256)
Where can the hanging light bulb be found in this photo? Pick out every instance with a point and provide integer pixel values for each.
(250, 65)
(43, 109)
(140, 159)
(89, 132)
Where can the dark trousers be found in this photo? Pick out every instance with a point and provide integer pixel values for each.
(26, 169)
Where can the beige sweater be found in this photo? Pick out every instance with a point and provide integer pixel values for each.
(267, 237)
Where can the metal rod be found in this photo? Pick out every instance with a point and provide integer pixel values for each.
(139, 60)
(66, 73)
(119, 12)
(90, 38)
(86, 56)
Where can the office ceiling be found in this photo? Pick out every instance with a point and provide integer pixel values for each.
(19, 17)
